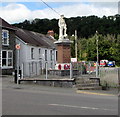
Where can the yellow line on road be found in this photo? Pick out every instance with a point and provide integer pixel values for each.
(88, 92)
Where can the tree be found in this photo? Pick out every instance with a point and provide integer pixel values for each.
(86, 25)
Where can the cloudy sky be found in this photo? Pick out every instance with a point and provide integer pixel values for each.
(15, 11)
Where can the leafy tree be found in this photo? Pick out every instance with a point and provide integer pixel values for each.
(86, 25)
(82, 49)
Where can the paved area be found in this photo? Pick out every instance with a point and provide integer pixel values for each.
(8, 81)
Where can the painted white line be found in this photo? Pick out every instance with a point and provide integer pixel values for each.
(90, 108)
(64, 105)
(82, 107)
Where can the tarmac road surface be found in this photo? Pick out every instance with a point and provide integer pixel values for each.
(32, 99)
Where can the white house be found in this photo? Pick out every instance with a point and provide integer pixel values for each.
(35, 51)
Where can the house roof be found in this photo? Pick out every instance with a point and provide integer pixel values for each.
(34, 38)
(4, 24)
(30, 37)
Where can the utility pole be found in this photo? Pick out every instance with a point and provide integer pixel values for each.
(97, 63)
(76, 44)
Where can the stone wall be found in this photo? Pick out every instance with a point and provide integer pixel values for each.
(64, 84)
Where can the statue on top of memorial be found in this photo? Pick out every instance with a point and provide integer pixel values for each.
(62, 28)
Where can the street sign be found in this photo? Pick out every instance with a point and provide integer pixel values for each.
(73, 59)
(17, 46)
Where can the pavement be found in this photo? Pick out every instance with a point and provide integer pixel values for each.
(8, 81)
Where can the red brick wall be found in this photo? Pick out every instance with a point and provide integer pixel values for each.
(64, 53)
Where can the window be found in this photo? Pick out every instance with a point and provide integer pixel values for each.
(7, 59)
(56, 55)
(51, 66)
(39, 53)
(51, 55)
(5, 37)
(45, 55)
(32, 53)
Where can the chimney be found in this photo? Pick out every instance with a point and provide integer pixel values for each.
(50, 33)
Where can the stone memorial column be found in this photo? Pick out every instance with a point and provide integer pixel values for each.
(63, 43)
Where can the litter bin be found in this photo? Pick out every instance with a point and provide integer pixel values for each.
(16, 77)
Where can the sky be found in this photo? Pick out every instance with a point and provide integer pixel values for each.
(16, 11)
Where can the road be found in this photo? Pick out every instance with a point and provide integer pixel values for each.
(32, 99)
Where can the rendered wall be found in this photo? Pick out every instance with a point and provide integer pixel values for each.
(111, 76)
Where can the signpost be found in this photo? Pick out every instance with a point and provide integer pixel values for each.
(17, 46)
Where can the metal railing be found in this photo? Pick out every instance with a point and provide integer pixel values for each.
(77, 69)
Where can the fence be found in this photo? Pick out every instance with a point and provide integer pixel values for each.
(45, 70)
(76, 70)
(109, 76)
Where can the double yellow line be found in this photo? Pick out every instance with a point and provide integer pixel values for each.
(93, 93)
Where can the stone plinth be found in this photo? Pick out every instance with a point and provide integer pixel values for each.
(64, 51)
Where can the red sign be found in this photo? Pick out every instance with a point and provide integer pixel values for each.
(17, 46)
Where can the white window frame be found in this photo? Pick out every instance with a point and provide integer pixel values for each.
(7, 58)
(7, 37)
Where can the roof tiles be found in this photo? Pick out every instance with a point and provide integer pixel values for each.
(4, 24)
(34, 38)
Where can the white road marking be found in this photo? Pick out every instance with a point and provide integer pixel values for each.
(93, 108)
(82, 107)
